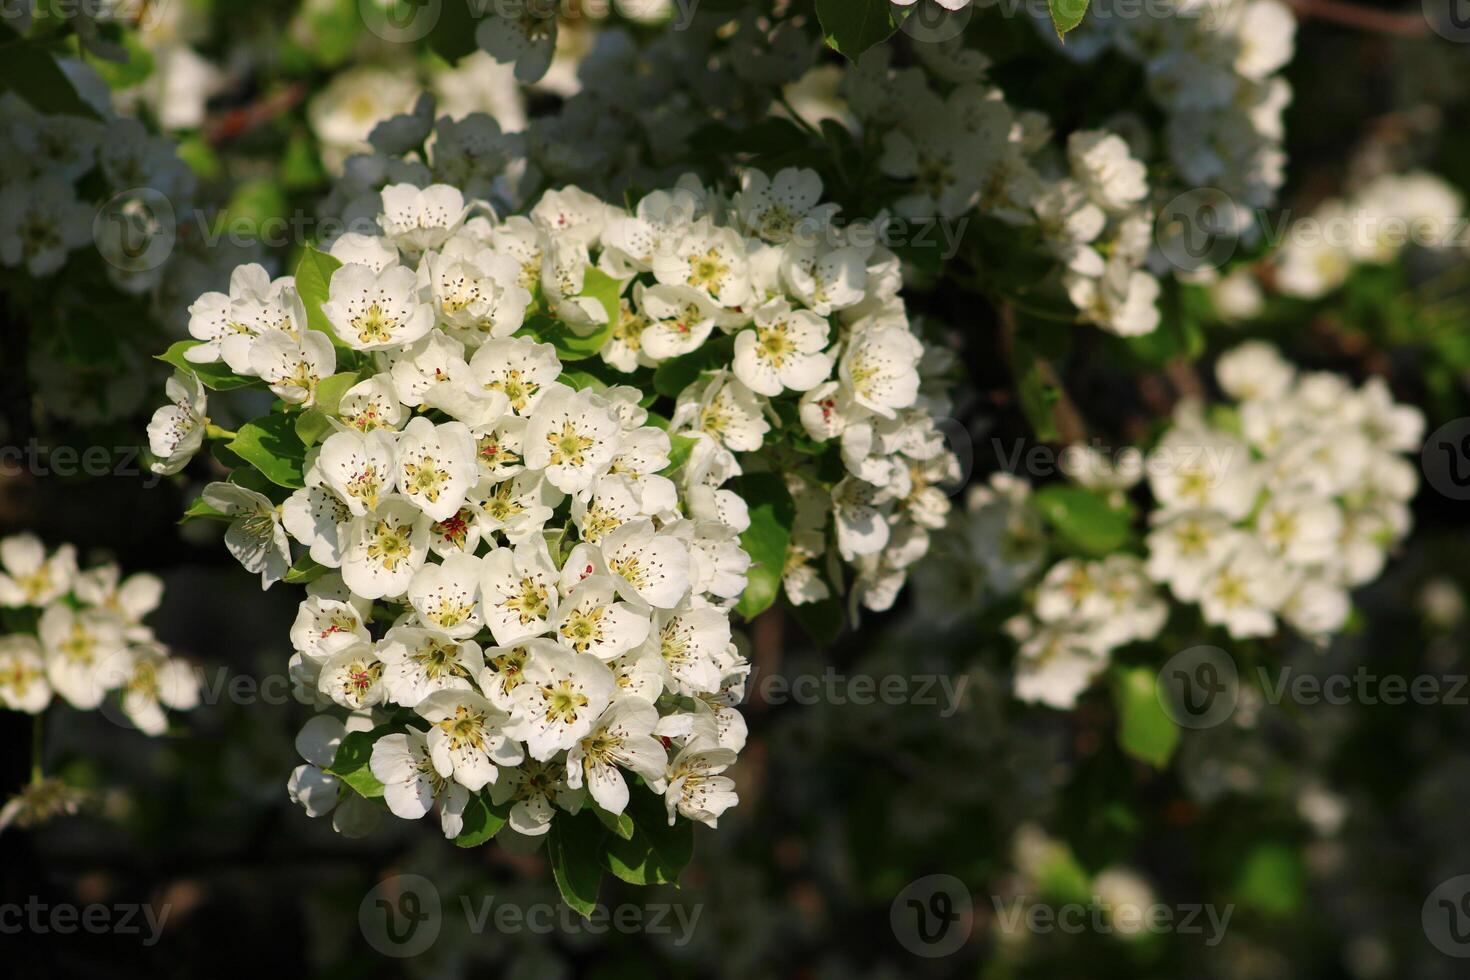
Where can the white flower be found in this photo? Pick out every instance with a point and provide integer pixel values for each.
(519, 368)
(255, 535)
(695, 787)
(504, 669)
(774, 209)
(418, 662)
(708, 259)
(561, 696)
(324, 626)
(293, 365)
(1187, 547)
(1106, 169)
(1300, 528)
(475, 291)
(880, 368)
(418, 219)
(360, 469)
(536, 788)
(316, 516)
(79, 648)
(383, 548)
(412, 785)
(468, 740)
(353, 676)
(41, 221)
(861, 514)
(825, 279)
(784, 350)
(436, 466)
(572, 437)
(1253, 371)
(153, 681)
(649, 566)
(229, 324)
(1243, 593)
(377, 310)
(1198, 468)
(688, 642)
(527, 41)
(724, 408)
(622, 737)
(23, 683)
(677, 320)
(30, 577)
(592, 622)
(517, 508)
(176, 430)
(1055, 664)
(518, 591)
(445, 596)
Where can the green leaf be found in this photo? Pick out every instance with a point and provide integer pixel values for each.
(216, 377)
(453, 35)
(314, 424)
(573, 845)
(482, 820)
(673, 846)
(199, 510)
(635, 861)
(619, 823)
(1083, 519)
(31, 73)
(352, 762)
(1066, 15)
(679, 449)
(126, 74)
(1035, 393)
(1145, 731)
(313, 276)
(772, 513)
(305, 570)
(271, 445)
(1271, 879)
(676, 374)
(822, 621)
(571, 345)
(851, 27)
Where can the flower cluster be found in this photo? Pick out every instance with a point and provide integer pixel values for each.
(1370, 227)
(85, 638)
(966, 148)
(1264, 512)
(45, 212)
(1214, 70)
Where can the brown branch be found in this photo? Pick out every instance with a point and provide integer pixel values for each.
(1413, 25)
(238, 122)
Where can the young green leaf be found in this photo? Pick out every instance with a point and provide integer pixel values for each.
(352, 762)
(482, 820)
(772, 512)
(216, 377)
(1145, 731)
(851, 27)
(1066, 15)
(271, 445)
(1083, 519)
(313, 275)
(573, 846)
